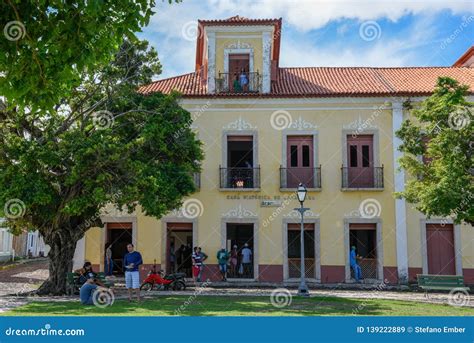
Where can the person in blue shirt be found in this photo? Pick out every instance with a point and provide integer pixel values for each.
(86, 293)
(131, 261)
(243, 80)
(354, 265)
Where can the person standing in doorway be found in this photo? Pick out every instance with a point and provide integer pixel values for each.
(354, 265)
(132, 261)
(188, 261)
(179, 257)
(234, 259)
(222, 258)
(109, 264)
(247, 260)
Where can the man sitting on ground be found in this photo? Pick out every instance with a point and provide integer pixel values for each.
(87, 292)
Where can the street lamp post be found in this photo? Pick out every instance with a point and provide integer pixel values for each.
(301, 194)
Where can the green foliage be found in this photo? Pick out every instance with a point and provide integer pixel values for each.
(47, 45)
(443, 132)
(104, 144)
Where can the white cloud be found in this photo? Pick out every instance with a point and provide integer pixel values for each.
(165, 31)
(313, 14)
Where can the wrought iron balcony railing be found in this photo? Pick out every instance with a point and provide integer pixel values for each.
(292, 177)
(239, 178)
(231, 83)
(362, 177)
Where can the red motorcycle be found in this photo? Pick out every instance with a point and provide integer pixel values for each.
(173, 281)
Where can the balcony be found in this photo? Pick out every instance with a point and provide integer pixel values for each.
(229, 83)
(239, 178)
(362, 178)
(290, 178)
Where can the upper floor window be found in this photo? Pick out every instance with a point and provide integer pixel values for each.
(360, 170)
(300, 166)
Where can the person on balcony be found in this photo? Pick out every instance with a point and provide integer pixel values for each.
(244, 81)
(354, 265)
(236, 85)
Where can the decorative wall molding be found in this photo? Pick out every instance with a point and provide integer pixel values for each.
(360, 125)
(239, 212)
(352, 214)
(296, 214)
(112, 211)
(301, 124)
(176, 213)
(239, 45)
(239, 124)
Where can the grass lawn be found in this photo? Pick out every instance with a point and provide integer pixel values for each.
(204, 305)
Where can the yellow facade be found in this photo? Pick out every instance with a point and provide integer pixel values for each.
(330, 121)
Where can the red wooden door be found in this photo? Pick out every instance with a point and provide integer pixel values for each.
(300, 164)
(440, 249)
(238, 63)
(360, 161)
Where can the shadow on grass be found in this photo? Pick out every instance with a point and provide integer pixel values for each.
(240, 306)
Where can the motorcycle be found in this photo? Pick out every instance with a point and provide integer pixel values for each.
(174, 281)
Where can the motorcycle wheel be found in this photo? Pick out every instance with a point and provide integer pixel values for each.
(179, 286)
(147, 286)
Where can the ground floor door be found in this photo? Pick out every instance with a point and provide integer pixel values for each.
(240, 242)
(364, 238)
(119, 235)
(179, 241)
(294, 251)
(440, 249)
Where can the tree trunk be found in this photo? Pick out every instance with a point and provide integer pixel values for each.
(63, 244)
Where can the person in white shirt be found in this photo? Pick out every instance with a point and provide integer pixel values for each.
(247, 260)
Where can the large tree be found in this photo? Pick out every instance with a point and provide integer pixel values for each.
(46, 45)
(103, 144)
(442, 132)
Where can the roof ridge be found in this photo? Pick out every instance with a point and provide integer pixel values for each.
(172, 77)
(375, 68)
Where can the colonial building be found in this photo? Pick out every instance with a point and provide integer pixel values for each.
(266, 128)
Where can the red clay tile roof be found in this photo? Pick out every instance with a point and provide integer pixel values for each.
(330, 82)
(466, 56)
(238, 20)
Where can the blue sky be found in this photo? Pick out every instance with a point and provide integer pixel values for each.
(332, 33)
